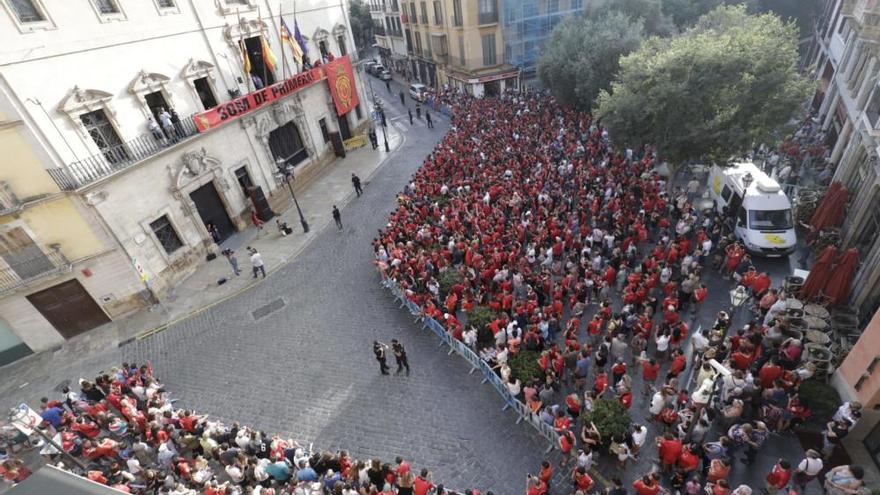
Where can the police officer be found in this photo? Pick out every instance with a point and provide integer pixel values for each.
(400, 356)
(379, 351)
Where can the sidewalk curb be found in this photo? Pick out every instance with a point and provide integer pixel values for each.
(287, 260)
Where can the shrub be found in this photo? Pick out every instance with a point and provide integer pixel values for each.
(822, 398)
(449, 278)
(610, 418)
(479, 317)
(524, 365)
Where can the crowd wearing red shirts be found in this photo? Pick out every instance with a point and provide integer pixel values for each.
(129, 435)
(583, 256)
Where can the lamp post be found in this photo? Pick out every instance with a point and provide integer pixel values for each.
(378, 109)
(286, 172)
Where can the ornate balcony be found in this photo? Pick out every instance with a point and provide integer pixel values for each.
(32, 265)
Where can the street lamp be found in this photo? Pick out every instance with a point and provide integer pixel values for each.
(286, 172)
(378, 109)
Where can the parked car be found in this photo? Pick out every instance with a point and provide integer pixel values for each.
(368, 67)
(384, 75)
(417, 91)
(377, 69)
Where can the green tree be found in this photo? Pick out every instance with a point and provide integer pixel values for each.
(582, 55)
(655, 20)
(361, 23)
(712, 91)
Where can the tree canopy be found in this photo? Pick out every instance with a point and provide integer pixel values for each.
(582, 55)
(712, 91)
(361, 23)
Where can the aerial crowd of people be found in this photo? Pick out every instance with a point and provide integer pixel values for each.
(585, 256)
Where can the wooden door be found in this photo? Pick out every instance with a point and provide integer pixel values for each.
(69, 308)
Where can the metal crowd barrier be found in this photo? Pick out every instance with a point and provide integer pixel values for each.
(477, 363)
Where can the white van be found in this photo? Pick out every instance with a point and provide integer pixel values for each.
(417, 91)
(762, 212)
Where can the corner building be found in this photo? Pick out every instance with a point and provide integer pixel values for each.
(100, 214)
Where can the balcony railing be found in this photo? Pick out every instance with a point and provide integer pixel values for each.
(47, 262)
(490, 17)
(8, 201)
(115, 158)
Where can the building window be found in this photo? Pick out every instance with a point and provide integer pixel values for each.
(206, 94)
(166, 4)
(325, 133)
(456, 13)
(424, 13)
(553, 6)
(488, 11)
(412, 9)
(104, 135)
(577, 4)
(489, 50)
(340, 40)
(26, 11)
(461, 51)
(107, 6)
(438, 13)
(166, 234)
(259, 70)
(243, 178)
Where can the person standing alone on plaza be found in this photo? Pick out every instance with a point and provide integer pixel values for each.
(356, 182)
(257, 262)
(230, 255)
(337, 217)
(379, 352)
(400, 356)
(428, 119)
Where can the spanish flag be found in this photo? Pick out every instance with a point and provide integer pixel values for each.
(294, 46)
(268, 56)
(245, 58)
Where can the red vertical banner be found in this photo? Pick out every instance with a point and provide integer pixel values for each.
(340, 77)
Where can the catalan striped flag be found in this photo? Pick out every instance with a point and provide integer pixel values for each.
(268, 56)
(287, 37)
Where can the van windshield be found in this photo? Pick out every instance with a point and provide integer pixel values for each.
(770, 219)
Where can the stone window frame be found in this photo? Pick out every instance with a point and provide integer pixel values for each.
(228, 7)
(174, 9)
(139, 87)
(112, 17)
(169, 258)
(81, 101)
(198, 69)
(47, 24)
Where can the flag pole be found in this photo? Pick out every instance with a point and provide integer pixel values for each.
(242, 52)
(280, 40)
(262, 48)
(301, 65)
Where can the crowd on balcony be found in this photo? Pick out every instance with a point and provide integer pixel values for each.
(585, 256)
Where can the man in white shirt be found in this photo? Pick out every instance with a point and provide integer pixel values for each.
(808, 469)
(257, 262)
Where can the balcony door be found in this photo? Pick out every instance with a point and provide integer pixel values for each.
(104, 135)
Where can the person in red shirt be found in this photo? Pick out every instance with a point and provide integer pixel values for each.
(647, 485)
(700, 294)
(769, 373)
(650, 370)
(669, 449)
(779, 476)
(601, 383)
(546, 473)
(581, 479)
(679, 362)
(536, 486)
(566, 446)
(423, 483)
(689, 460)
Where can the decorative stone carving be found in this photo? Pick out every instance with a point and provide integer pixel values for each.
(95, 197)
(243, 28)
(265, 125)
(194, 164)
(79, 100)
(195, 69)
(148, 82)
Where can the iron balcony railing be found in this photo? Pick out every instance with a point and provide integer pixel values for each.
(119, 157)
(37, 264)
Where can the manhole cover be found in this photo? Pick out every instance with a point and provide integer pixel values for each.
(267, 309)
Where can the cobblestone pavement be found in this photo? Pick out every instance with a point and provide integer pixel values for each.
(293, 355)
(306, 368)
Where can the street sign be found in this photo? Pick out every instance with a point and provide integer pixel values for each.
(145, 277)
(25, 419)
